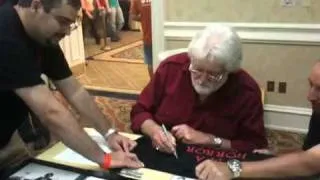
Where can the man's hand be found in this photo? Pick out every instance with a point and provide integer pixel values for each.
(136, 17)
(120, 143)
(89, 14)
(211, 170)
(123, 159)
(189, 135)
(102, 12)
(161, 142)
(109, 10)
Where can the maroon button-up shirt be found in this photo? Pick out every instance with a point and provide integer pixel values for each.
(234, 112)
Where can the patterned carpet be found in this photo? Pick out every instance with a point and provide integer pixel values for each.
(127, 37)
(118, 110)
(128, 53)
(133, 53)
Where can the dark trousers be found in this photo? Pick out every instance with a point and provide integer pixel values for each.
(91, 27)
(125, 6)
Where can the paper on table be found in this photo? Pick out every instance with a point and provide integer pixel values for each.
(71, 156)
(180, 178)
(93, 178)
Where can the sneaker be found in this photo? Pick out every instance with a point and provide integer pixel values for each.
(115, 39)
(105, 48)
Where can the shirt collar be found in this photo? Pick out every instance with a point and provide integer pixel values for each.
(186, 65)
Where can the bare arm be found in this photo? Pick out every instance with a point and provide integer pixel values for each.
(149, 126)
(85, 8)
(107, 4)
(299, 164)
(60, 121)
(99, 5)
(88, 13)
(80, 99)
(134, 11)
(304, 163)
(136, 17)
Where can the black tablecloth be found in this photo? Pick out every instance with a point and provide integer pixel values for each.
(188, 157)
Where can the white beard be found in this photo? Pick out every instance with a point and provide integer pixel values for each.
(206, 88)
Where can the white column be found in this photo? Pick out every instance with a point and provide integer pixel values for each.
(158, 17)
(73, 48)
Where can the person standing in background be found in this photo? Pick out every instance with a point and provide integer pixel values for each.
(116, 19)
(141, 11)
(104, 12)
(89, 26)
(125, 6)
(95, 14)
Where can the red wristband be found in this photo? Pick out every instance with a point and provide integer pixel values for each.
(106, 161)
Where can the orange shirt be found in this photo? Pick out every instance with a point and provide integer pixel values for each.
(143, 8)
(87, 5)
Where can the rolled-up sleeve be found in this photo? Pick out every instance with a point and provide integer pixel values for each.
(149, 99)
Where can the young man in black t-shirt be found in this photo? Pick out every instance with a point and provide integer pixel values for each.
(29, 36)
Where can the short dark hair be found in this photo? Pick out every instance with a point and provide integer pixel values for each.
(49, 4)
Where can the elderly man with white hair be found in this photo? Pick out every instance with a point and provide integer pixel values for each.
(203, 97)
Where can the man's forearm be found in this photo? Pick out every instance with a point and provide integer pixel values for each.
(80, 99)
(71, 134)
(89, 110)
(60, 121)
(107, 4)
(295, 164)
(149, 126)
(136, 17)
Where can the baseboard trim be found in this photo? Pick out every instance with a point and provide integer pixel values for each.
(78, 69)
(288, 109)
(287, 118)
(119, 95)
(115, 90)
(286, 129)
(297, 34)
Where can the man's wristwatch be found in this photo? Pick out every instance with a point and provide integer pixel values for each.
(234, 166)
(110, 132)
(217, 142)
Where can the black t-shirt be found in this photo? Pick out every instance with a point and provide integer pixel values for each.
(22, 61)
(313, 136)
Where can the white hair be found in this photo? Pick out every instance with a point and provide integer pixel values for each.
(217, 43)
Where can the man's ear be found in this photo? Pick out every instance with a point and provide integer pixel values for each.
(36, 5)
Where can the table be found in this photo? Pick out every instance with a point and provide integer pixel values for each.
(51, 153)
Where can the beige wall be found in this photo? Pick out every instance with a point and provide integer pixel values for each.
(241, 11)
(288, 63)
(275, 62)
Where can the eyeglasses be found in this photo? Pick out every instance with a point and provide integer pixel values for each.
(212, 77)
(74, 26)
(66, 23)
